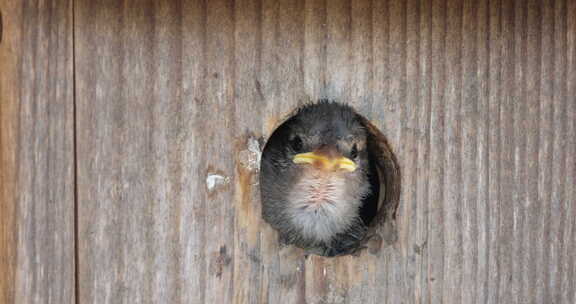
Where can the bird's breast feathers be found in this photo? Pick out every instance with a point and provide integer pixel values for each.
(320, 205)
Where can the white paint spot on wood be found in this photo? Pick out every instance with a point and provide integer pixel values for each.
(214, 180)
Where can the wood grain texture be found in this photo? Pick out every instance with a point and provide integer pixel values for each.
(9, 83)
(36, 153)
(175, 98)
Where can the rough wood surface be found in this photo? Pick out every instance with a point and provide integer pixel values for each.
(175, 98)
(9, 83)
(476, 98)
(36, 152)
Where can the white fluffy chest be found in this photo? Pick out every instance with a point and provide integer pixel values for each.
(321, 207)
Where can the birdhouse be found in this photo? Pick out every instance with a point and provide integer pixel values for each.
(132, 136)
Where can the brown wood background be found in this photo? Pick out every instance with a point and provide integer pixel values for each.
(36, 152)
(129, 137)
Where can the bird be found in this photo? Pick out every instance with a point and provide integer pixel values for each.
(319, 184)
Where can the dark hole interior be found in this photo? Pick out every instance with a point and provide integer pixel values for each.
(369, 207)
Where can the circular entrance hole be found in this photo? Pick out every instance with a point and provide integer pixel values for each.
(329, 181)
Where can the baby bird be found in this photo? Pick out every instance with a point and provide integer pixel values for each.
(318, 185)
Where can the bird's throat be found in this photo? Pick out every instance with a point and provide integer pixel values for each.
(321, 205)
(317, 189)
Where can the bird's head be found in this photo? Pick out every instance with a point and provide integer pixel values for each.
(315, 179)
(327, 136)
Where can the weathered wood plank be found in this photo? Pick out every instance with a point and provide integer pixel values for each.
(248, 57)
(36, 152)
(419, 204)
(192, 220)
(482, 126)
(220, 106)
(10, 33)
(533, 143)
(175, 98)
(140, 214)
(492, 160)
(520, 37)
(569, 195)
(469, 145)
(559, 210)
(437, 196)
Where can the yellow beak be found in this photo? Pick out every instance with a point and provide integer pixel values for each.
(325, 163)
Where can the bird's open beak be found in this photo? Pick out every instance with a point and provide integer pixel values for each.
(325, 162)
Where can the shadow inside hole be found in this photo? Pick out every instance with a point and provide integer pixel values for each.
(381, 224)
(369, 207)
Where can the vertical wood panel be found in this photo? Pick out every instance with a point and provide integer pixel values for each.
(559, 209)
(452, 183)
(9, 83)
(469, 113)
(492, 160)
(176, 98)
(436, 238)
(411, 129)
(129, 92)
(506, 141)
(520, 36)
(218, 147)
(10, 44)
(247, 58)
(314, 49)
(545, 157)
(36, 152)
(484, 276)
(421, 247)
(569, 195)
(532, 133)
(193, 221)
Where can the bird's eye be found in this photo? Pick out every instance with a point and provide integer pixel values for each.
(354, 152)
(296, 144)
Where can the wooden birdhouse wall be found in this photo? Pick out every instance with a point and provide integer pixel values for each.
(131, 131)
